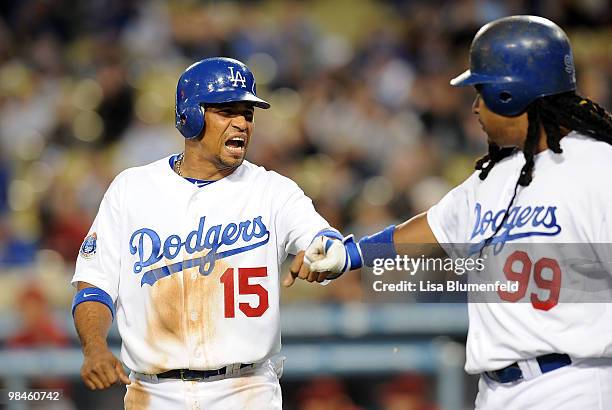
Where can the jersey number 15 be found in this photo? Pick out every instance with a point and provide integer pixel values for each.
(244, 288)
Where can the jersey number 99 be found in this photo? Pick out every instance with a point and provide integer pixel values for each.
(522, 275)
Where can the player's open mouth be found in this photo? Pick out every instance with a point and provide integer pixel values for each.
(236, 145)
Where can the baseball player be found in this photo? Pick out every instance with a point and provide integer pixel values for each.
(185, 252)
(544, 180)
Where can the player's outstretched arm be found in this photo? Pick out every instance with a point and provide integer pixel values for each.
(416, 233)
(101, 369)
(413, 238)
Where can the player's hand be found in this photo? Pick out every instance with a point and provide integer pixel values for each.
(300, 268)
(327, 255)
(101, 369)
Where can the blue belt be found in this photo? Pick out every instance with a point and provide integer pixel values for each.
(194, 375)
(513, 373)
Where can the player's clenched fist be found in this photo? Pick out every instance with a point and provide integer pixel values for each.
(325, 258)
(327, 255)
(101, 369)
(300, 268)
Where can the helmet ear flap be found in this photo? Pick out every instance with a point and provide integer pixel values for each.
(190, 121)
(504, 99)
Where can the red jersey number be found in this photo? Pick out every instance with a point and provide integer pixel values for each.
(244, 288)
(518, 268)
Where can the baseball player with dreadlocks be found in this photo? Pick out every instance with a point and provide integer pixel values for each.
(544, 180)
(185, 254)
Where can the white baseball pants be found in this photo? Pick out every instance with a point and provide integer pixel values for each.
(583, 385)
(247, 389)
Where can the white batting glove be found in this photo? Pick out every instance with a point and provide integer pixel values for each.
(330, 255)
(326, 254)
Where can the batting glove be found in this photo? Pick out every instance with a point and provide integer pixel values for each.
(333, 255)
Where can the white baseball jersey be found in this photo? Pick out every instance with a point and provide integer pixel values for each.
(569, 201)
(194, 272)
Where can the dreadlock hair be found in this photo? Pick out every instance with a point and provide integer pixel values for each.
(567, 110)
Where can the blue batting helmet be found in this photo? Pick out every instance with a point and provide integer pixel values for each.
(515, 60)
(212, 81)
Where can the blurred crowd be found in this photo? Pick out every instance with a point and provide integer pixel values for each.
(363, 117)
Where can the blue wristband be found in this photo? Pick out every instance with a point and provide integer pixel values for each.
(354, 259)
(93, 295)
(378, 246)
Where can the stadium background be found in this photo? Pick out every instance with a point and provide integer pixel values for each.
(362, 117)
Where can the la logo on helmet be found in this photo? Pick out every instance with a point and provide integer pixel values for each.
(237, 78)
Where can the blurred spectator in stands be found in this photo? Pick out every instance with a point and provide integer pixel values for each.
(63, 221)
(38, 327)
(4, 184)
(40, 330)
(14, 251)
(324, 393)
(405, 392)
(117, 105)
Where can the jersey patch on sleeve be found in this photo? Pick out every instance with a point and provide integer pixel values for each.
(88, 249)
